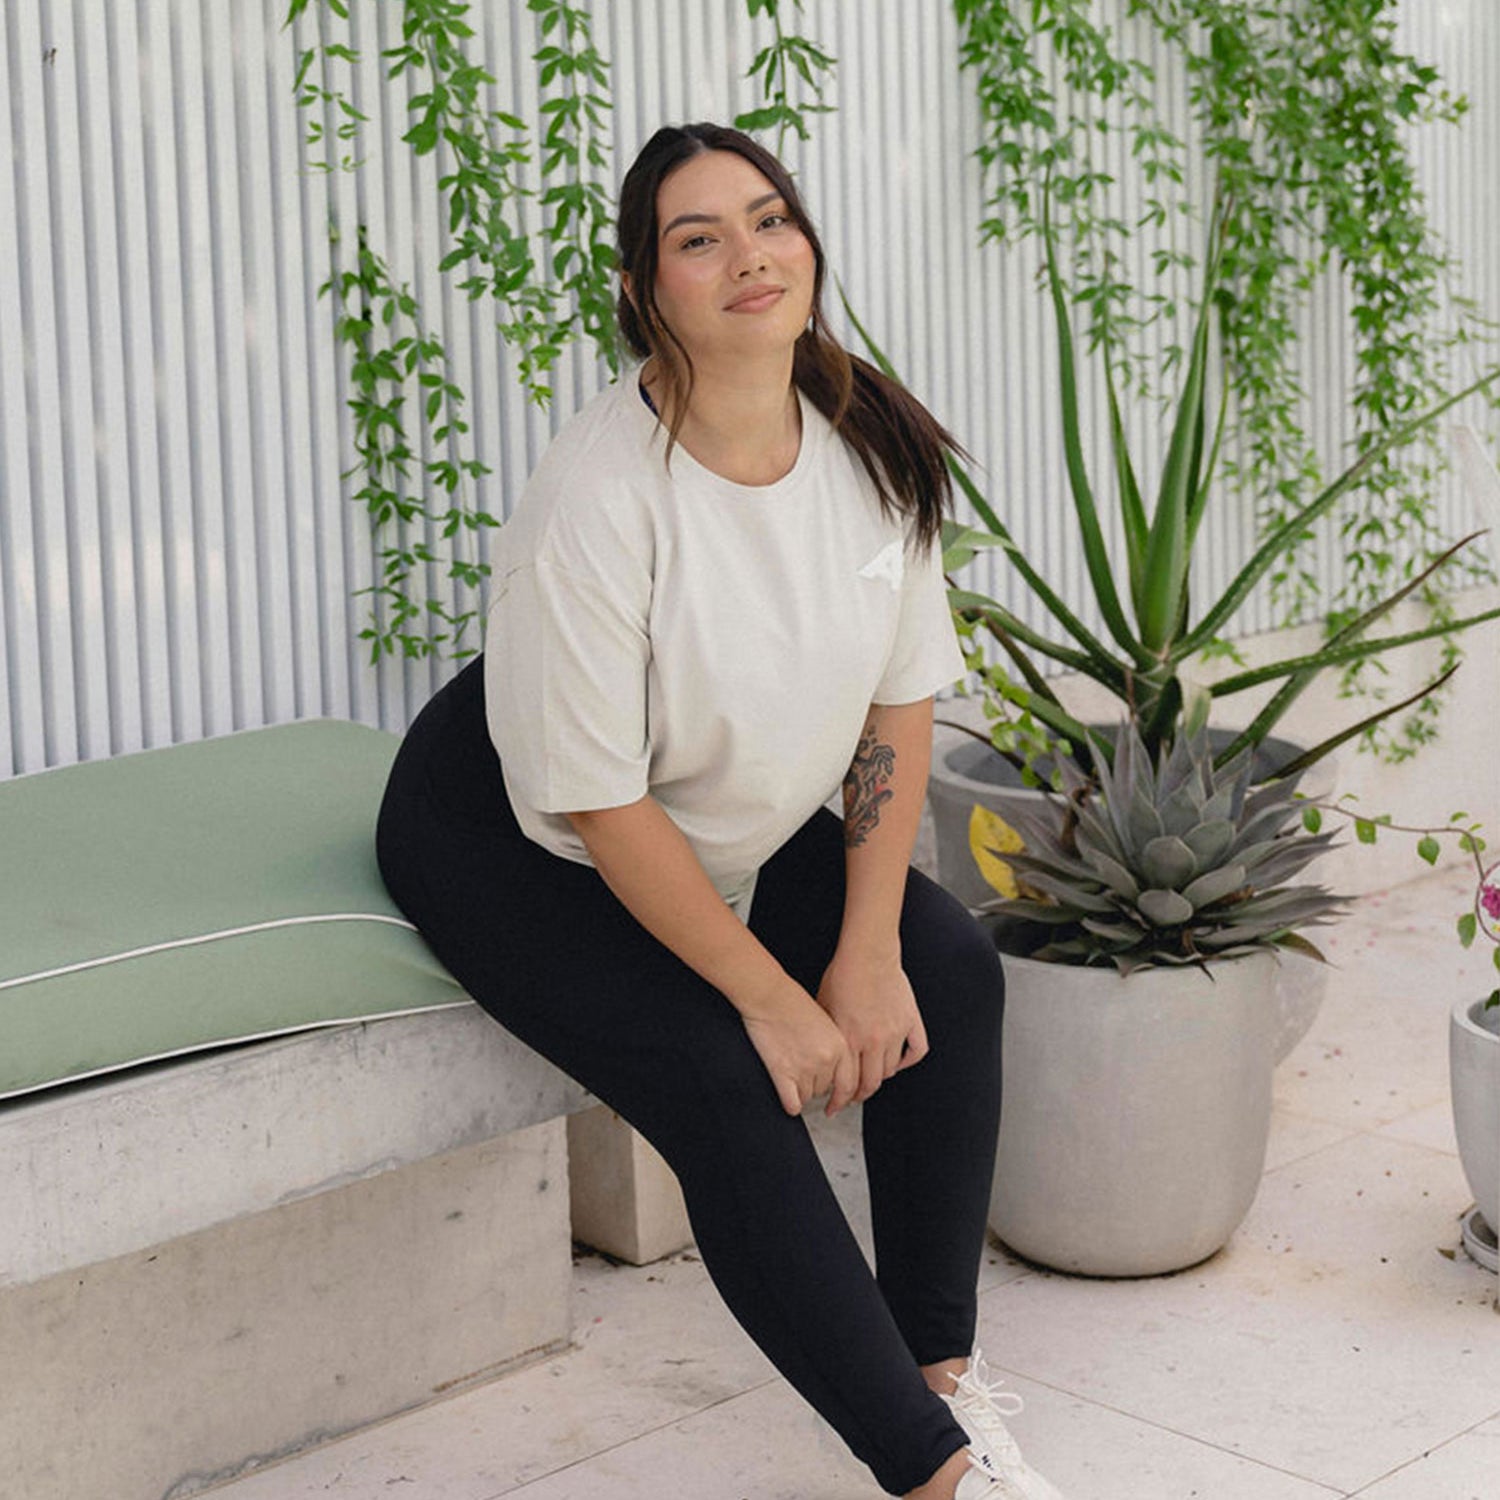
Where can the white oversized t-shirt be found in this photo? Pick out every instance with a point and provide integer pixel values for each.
(715, 644)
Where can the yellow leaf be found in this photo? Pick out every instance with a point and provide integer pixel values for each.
(990, 836)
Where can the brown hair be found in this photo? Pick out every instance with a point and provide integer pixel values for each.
(902, 446)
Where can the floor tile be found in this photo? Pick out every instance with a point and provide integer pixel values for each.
(1094, 1453)
(653, 1344)
(1332, 1339)
(764, 1445)
(1378, 1050)
(768, 1445)
(1431, 1127)
(1465, 1469)
(1294, 1136)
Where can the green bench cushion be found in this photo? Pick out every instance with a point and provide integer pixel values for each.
(126, 886)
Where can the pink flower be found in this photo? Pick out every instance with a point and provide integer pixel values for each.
(1489, 899)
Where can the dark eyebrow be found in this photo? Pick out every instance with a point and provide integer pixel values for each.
(750, 208)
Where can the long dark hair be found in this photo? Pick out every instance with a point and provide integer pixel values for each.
(901, 444)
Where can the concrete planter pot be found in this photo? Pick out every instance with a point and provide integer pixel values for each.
(1135, 1114)
(966, 771)
(1474, 1075)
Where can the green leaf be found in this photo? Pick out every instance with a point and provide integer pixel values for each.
(1468, 927)
(1285, 537)
(1312, 819)
(761, 119)
(1132, 510)
(1364, 830)
(1166, 566)
(1096, 555)
(1428, 848)
(423, 136)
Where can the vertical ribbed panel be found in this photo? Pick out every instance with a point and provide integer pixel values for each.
(177, 558)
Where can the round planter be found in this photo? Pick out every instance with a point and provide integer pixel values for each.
(1135, 1112)
(1474, 1074)
(966, 771)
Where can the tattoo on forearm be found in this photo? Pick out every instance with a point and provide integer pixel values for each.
(867, 787)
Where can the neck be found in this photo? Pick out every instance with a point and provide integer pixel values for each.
(743, 424)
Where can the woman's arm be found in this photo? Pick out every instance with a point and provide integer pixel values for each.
(864, 988)
(883, 792)
(647, 862)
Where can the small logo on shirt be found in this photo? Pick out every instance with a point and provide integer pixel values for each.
(888, 564)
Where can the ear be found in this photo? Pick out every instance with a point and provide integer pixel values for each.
(627, 285)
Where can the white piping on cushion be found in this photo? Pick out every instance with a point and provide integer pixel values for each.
(279, 1033)
(207, 937)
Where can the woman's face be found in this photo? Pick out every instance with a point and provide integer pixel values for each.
(734, 273)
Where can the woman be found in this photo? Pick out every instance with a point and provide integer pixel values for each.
(718, 598)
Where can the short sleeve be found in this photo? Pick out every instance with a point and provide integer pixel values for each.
(566, 659)
(925, 656)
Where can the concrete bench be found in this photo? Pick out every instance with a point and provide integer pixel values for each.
(266, 1175)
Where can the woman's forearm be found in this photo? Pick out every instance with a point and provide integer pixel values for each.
(647, 862)
(883, 794)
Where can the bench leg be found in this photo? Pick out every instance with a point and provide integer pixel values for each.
(625, 1198)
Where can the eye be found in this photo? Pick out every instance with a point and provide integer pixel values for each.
(775, 220)
(694, 241)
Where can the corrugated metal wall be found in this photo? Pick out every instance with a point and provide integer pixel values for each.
(176, 555)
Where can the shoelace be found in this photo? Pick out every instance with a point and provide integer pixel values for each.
(983, 1401)
(978, 1386)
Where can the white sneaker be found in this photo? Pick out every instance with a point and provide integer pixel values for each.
(997, 1470)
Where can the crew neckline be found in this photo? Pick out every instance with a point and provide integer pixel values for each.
(813, 428)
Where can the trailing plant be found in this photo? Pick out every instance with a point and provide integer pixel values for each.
(1483, 913)
(550, 287)
(1301, 110)
(774, 65)
(379, 323)
(540, 308)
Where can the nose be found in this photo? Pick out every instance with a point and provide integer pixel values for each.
(749, 256)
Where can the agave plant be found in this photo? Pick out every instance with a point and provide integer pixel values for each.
(1159, 633)
(1165, 861)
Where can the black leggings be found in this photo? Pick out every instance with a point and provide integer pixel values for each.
(544, 946)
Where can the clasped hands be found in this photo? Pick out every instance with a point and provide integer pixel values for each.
(862, 1028)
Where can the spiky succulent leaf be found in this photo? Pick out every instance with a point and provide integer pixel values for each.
(1168, 862)
(1114, 875)
(1214, 885)
(1054, 862)
(1164, 908)
(1164, 862)
(1210, 841)
(1181, 810)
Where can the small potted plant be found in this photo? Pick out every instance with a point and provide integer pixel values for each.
(1473, 1034)
(1474, 1080)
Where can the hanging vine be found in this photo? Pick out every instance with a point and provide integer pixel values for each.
(1301, 109)
(550, 288)
(786, 54)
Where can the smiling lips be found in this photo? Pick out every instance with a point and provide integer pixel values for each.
(756, 299)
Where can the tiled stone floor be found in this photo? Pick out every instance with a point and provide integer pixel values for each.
(1341, 1345)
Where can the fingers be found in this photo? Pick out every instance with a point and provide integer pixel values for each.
(789, 1094)
(916, 1046)
(872, 1065)
(846, 1081)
